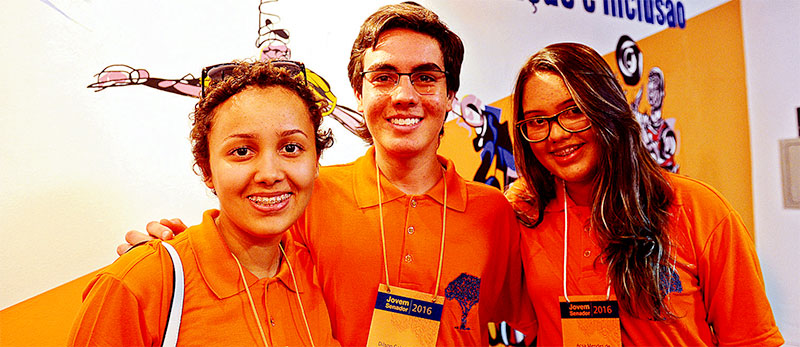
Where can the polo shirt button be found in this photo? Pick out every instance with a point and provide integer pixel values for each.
(413, 203)
(587, 253)
(272, 321)
(408, 258)
(410, 230)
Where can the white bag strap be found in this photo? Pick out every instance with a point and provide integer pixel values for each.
(176, 306)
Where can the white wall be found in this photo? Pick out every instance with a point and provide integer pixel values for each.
(79, 168)
(772, 57)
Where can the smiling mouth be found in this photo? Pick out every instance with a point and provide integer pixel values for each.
(269, 200)
(566, 151)
(405, 121)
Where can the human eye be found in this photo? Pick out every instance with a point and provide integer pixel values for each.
(428, 77)
(573, 112)
(537, 122)
(383, 77)
(293, 149)
(241, 152)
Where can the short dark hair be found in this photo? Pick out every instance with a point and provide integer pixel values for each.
(412, 16)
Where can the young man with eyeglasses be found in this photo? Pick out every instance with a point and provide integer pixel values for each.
(460, 266)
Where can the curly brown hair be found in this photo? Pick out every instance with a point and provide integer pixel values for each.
(244, 75)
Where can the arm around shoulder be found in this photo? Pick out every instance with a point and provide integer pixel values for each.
(524, 202)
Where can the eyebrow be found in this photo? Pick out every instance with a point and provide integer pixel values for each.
(390, 67)
(562, 106)
(239, 136)
(284, 133)
(292, 132)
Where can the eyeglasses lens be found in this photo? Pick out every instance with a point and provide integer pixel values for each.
(424, 82)
(571, 119)
(217, 73)
(294, 68)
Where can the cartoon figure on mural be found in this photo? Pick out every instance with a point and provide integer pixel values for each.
(272, 43)
(492, 141)
(658, 133)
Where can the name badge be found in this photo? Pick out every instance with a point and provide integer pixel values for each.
(404, 317)
(590, 320)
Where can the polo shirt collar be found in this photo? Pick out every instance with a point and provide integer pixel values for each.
(218, 267)
(557, 204)
(366, 188)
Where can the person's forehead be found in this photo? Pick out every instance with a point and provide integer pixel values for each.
(545, 92)
(404, 46)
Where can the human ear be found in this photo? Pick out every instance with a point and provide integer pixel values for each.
(209, 183)
(450, 97)
(360, 107)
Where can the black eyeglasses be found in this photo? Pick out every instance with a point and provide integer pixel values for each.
(217, 73)
(537, 129)
(424, 82)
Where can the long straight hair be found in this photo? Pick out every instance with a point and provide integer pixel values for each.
(631, 193)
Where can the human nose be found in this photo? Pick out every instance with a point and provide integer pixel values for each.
(557, 131)
(404, 90)
(269, 169)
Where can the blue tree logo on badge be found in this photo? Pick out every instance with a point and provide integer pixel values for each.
(466, 290)
(670, 280)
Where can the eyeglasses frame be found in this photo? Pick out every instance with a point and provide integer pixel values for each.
(400, 75)
(207, 69)
(549, 119)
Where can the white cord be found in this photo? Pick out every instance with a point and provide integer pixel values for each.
(566, 227)
(297, 292)
(252, 306)
(564, 189)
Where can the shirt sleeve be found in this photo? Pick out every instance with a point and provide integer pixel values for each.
(110, 316)
(520, 315)
(733, 286)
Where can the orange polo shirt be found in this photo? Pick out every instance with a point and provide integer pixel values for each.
(715, 286)
(341, 228)
(127, 303)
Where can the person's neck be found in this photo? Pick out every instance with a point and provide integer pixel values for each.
(412, 175)
(580, 193)
(260, 256)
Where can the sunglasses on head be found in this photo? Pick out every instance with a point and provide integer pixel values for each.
(217, 73)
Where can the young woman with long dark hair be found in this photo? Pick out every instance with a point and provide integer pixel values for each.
(604, 220)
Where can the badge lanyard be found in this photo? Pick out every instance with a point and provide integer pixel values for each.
(383, 233)
(566, 228)
(253, 306)
(589, 319)
(405, 317)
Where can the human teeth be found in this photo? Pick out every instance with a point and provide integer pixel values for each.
(269, 200)
(404, 121)
(565, 152)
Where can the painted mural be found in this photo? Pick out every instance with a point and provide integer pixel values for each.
(491, 141)
(658, 133)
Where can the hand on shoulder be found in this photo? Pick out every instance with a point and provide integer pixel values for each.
(524, 202)
(164, 229)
